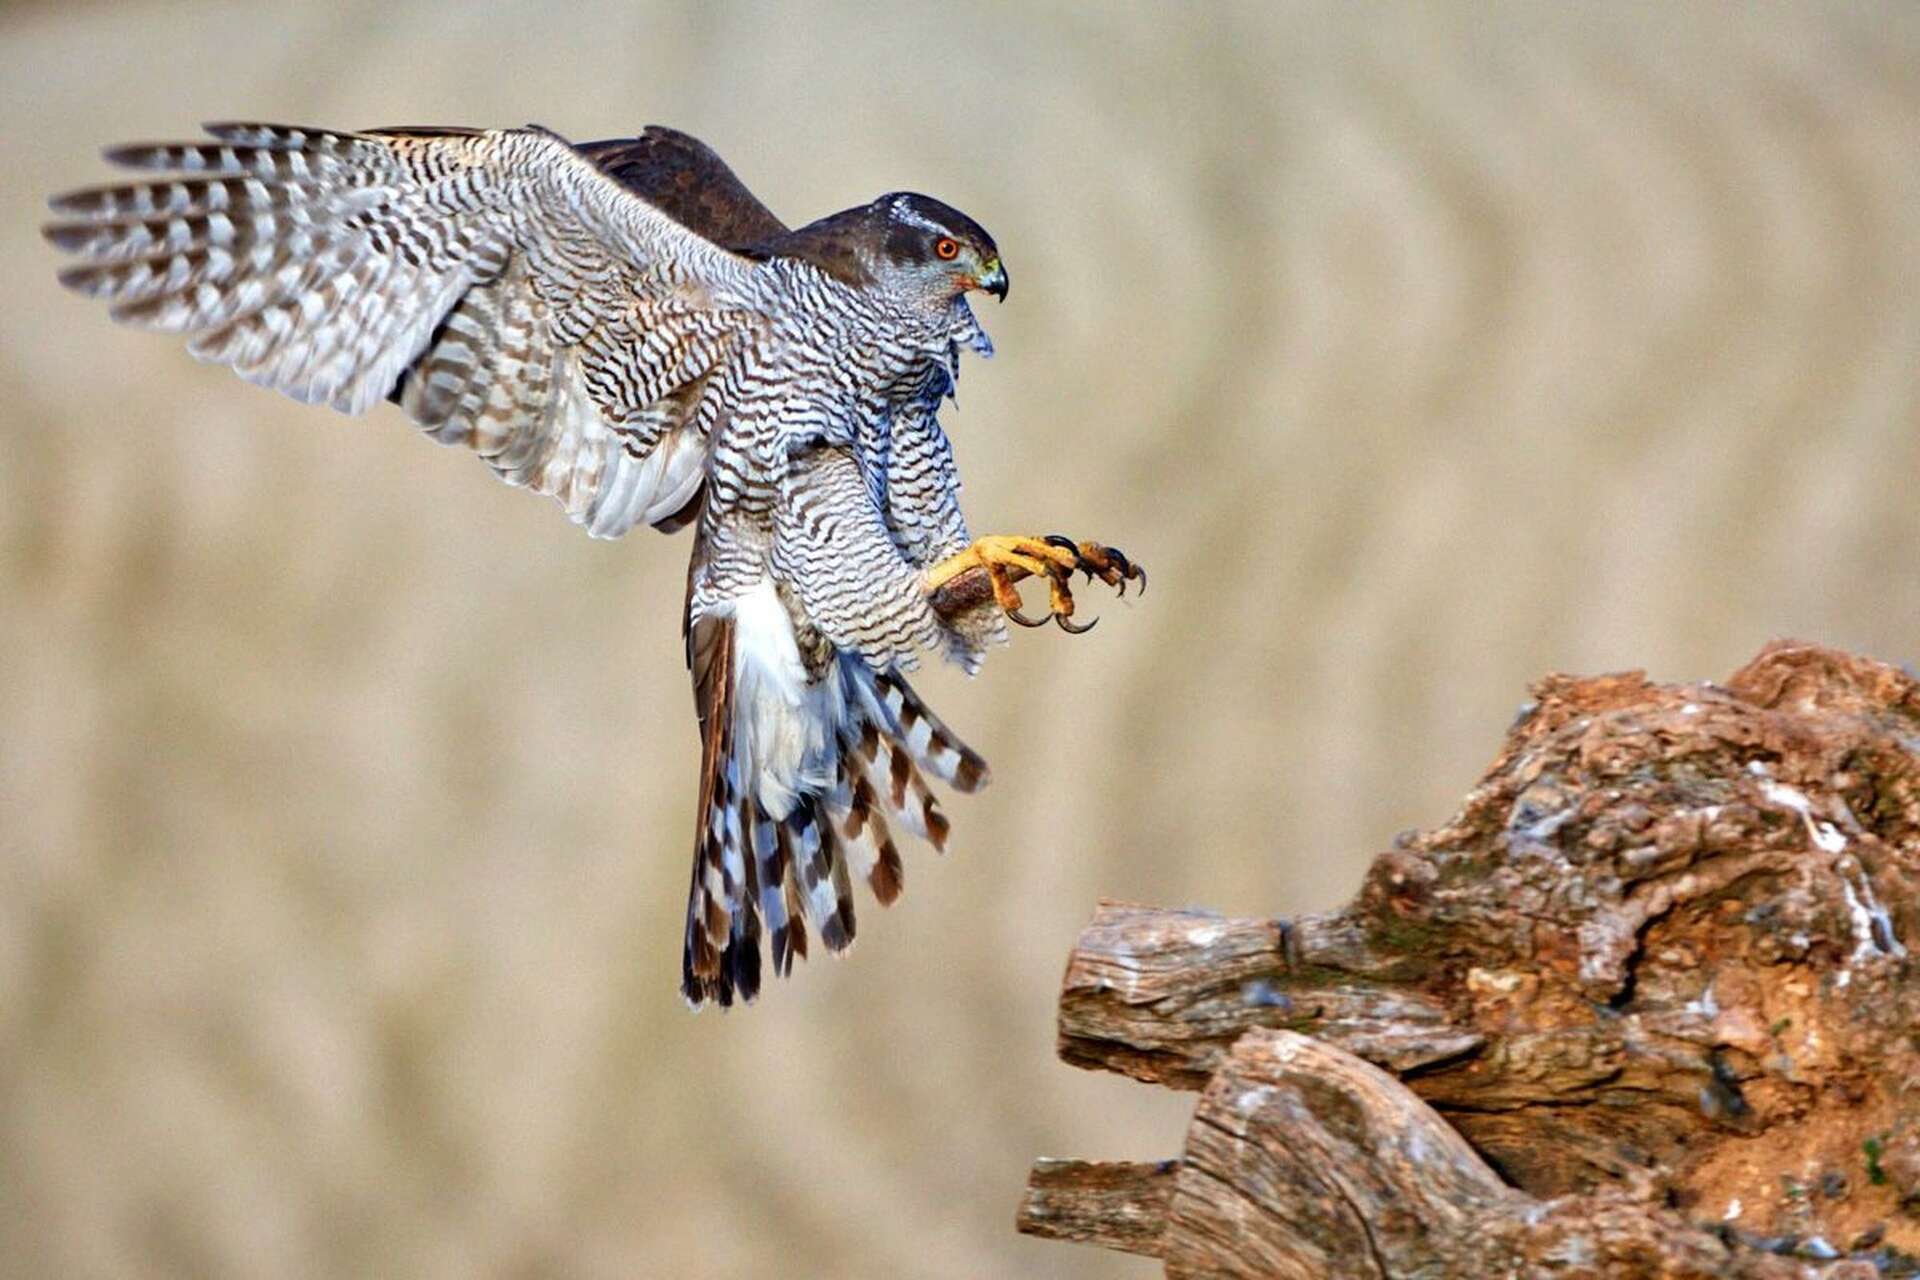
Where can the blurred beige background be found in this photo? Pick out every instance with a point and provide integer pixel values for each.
(345, 794)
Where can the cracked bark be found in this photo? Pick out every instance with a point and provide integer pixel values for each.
(1644, 1007)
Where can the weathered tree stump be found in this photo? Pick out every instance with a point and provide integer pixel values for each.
(1644, 1007)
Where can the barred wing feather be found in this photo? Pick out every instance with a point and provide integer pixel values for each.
(511, 296)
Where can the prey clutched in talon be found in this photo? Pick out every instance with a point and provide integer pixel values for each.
(1006, 559)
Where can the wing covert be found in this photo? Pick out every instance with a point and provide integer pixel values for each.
(689, 182)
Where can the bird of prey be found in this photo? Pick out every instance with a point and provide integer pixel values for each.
(623, 327)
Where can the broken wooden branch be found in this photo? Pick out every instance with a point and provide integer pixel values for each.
(1117, 1205)
(1644, 1006)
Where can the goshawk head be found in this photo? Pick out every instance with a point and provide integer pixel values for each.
(911, 246)
(933, 247)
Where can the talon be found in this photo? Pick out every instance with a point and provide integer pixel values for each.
(1007, 597)
(1008, 558)
(1067, 625)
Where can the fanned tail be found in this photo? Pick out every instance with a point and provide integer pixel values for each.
(756, 871)
(925, 737)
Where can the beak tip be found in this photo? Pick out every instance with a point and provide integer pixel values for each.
(993, 280)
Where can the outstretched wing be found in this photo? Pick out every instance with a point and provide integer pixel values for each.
(508, 293)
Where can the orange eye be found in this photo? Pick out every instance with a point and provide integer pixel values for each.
(945, 249)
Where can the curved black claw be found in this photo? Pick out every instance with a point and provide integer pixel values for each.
(1063, 542)
(1071, 628)
(1127, 569)
(1024, 620)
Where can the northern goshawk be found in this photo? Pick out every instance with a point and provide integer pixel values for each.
(623, 327)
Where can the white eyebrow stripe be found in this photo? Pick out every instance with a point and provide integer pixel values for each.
(905, 214)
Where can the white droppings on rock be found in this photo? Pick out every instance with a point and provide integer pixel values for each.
(1691, 709)
(1779, 794)
(1872, 923)
(1502, 981)
(1864, 946)
(1825, 835)
(1704, 1005)
(1733, 1210)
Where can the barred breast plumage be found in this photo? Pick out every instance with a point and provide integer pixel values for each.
(622, 327)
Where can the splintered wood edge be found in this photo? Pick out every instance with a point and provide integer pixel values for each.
(1114, 1204)
(1131, 965)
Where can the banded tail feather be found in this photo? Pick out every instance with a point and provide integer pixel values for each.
(755, 869)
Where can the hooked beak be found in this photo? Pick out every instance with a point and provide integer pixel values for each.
(993, 278)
